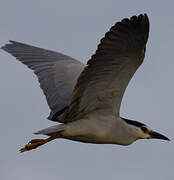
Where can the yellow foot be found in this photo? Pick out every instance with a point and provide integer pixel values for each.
(33, 144)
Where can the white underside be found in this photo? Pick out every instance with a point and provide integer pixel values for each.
(96, 128)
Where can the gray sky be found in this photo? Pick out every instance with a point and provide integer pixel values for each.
(75, 28)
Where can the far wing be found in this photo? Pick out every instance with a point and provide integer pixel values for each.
(57, 73)
(102, 83)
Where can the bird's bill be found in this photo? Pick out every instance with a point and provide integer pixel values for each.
(157, 135)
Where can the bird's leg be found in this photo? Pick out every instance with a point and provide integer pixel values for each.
(34, 143)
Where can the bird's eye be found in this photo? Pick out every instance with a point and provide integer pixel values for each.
(144, 129)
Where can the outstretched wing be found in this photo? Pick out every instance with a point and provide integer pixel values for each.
(57, 73)
(102, 83)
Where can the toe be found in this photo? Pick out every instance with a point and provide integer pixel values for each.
(35, 141)
(23, 149)
(32, 145)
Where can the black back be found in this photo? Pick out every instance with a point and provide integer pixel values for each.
(132, 122)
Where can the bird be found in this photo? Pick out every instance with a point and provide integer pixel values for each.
(85, 99)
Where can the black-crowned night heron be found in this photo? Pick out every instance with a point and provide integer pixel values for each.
(86, 99)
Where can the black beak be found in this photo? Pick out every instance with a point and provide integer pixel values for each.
(156, 135)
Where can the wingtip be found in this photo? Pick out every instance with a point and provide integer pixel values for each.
(145, 14)
(146, 22)
(146, 17)
(14, 42)
(143, 23)
(4, 47)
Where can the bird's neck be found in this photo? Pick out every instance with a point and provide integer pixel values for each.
(125, 133)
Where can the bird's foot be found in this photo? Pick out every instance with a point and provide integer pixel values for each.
(34, 143)
(36, 140)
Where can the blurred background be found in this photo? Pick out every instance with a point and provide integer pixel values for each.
(75, 28)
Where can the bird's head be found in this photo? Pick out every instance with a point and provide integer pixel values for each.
(145, 132)
(148, 133)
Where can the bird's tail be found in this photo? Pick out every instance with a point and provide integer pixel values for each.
(50, 131)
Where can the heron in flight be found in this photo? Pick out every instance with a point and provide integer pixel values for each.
(86, 99)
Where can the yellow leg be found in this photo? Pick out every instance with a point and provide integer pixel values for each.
(34, 143)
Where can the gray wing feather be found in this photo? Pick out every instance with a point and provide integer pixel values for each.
(56, 72)
(102, 83)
